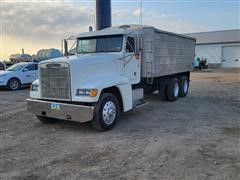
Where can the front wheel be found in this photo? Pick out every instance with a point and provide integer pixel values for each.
(106, 112)
(13, 84)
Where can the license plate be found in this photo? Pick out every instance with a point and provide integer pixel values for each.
(55, 106)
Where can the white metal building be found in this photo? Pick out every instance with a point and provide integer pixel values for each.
(220, 48)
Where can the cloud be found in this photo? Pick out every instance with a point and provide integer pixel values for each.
(58, 20)
(137, 12)
(119, 13)
(45, 20)
(169, 23)
(156, 19)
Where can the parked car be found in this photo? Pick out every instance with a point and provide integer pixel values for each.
(18, 75)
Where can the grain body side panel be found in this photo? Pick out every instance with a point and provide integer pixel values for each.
(147, 52)
(170, 54)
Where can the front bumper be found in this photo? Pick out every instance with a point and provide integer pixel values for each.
(64, 111)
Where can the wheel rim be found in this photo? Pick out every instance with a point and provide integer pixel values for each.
(176, 90)
(109, 112)
(185, 86)
(14, 84)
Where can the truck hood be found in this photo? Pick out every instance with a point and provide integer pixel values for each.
(87, 67)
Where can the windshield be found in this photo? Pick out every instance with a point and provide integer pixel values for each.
(111, 43)
(16, 67)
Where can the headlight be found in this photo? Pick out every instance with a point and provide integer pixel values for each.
(86, 92)
(34, 87)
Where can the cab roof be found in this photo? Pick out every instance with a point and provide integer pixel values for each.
(126, 29)
(123, 29)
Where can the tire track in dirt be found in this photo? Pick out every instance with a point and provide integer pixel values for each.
(11, 112)
(5, 108)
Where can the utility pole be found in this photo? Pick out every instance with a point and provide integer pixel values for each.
(141, 12)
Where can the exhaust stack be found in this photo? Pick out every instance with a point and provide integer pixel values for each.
(65, 44)
(103, 14)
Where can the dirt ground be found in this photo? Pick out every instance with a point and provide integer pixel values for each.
(196, 137)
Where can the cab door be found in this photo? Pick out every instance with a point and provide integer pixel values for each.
(132, 61)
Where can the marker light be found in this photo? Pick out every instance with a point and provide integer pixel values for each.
(86, 92)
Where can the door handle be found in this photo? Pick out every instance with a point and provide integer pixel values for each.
(236, 59)
(223, 60)
(28, 75)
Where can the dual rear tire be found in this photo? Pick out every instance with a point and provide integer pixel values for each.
(172, 92)
(176, 88)
(184, 86)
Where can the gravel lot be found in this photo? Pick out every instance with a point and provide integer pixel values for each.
(197, 137)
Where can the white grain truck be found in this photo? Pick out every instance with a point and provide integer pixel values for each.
(110, 72)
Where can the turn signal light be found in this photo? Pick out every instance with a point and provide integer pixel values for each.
(93, 92)
(86, 92)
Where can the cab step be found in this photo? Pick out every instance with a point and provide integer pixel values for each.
(139, 103)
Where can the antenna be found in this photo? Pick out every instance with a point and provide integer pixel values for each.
(141, 12)
(94, 16)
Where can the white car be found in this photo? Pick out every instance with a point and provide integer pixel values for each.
(18, 75)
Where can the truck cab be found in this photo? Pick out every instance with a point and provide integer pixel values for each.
(93, 85)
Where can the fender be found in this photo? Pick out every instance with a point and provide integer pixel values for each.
(126, 93)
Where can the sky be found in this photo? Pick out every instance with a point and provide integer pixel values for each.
(41, 24)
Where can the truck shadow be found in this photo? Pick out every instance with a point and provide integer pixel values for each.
(73, 125)
(21, 89)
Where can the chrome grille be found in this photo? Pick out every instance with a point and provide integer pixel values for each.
(55, 81)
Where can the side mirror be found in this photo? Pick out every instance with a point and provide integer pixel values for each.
(138, 45)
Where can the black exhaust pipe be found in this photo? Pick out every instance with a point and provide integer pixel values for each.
(103, 14)
(65, 44)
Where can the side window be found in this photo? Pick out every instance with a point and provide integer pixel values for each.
(30, 67)
(130, 44)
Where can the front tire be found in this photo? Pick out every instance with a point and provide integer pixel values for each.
(13, 84)
(106, 112)
(173, 90)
